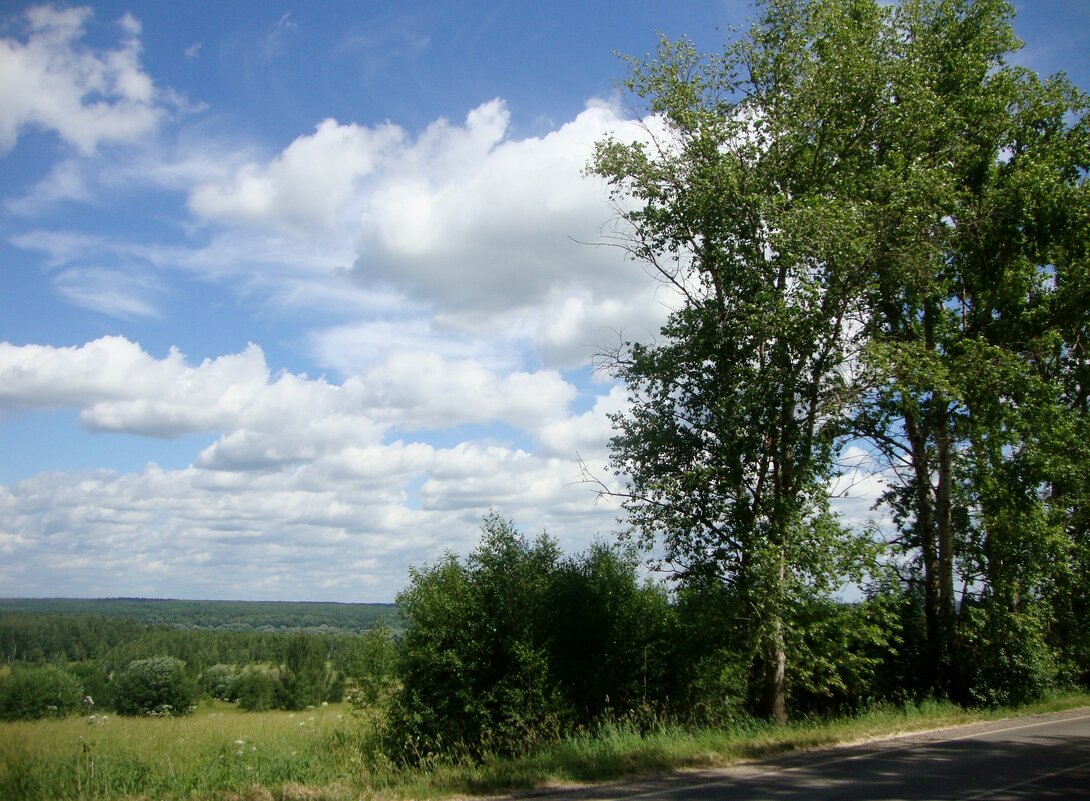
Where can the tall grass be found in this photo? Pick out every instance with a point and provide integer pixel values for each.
(213, 753)
(333, 754)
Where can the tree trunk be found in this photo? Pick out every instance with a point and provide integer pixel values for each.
(774, 697)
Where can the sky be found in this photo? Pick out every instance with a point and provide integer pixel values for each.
(292, 295)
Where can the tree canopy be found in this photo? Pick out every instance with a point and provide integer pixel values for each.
(876, 228)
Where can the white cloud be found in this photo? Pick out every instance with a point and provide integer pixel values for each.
(447, 330)
(53, 81)
(271, 420)
(124, 294)
(483, 236)
(474, 222)
(308, 186)
(119, 387)
(303, 472)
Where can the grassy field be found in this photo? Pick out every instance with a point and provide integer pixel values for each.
(327, 754)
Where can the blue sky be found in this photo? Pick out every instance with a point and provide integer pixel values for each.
(293, 294)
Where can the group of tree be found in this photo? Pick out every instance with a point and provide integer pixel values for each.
(877, 232)
(877, 228)
(313, 617)
(56, 661)
(517, 644)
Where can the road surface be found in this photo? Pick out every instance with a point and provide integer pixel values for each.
(1043, 758)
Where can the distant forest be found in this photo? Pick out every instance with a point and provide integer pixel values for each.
(143, 656)
(267, 616)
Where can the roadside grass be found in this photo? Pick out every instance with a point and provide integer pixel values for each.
(332, 754)
(616, 751)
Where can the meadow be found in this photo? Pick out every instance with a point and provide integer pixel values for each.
(330, 754)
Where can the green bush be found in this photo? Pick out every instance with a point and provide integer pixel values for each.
(473, 667)
(156, 686)
(255, 690)
(516, 646)
(375, 670)
(1004, 659)
(218, 682)
(304, 678)
(39, 692)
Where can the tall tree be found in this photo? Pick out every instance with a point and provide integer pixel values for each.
(876, 227)
(747, 188)
(981, 170)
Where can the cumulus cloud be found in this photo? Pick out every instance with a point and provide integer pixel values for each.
(308, 186)
(117, 386)
(449, 269)
(475, 222)
(485, 235)
(51, 80)
(302, 473)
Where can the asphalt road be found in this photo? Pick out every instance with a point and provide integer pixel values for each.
(1041, 758)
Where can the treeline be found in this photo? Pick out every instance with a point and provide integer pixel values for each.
(50, 638)
(57, 660)
(519, 644)
(875, 233)
(290, 616)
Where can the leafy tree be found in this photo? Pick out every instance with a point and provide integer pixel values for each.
(218, 681)
(745, 194)
(473, 661)
(985, 205)
(39, 692)
(375, 671)
(612, 639)
(156, 686)
(876, 227)
(304, 678)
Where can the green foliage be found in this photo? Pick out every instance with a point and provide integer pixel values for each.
(39, 692)
(304, 679)
(375, 671)
(156, 686)
(254, 689)
(241, 616)
(1006, 659)
(218, 682)
(877, 228)
(516, 645)
(611, 639)
(472, 663)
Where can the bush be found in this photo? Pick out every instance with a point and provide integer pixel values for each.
(255, 690)
(218, 682)
(516, 646)
(375, 670)
(39, 692)
(473, 664)
(305, 679)
(1004, 659)
(156, 686)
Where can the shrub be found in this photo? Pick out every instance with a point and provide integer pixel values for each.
(156, 686)
(255, 690)
(1004, 659)
(39, 692)
(305, 679)
(473, 665)
(375, 670)
(218, 682)
(516, 645)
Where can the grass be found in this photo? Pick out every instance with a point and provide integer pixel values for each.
(329, 754)
(214, 753)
